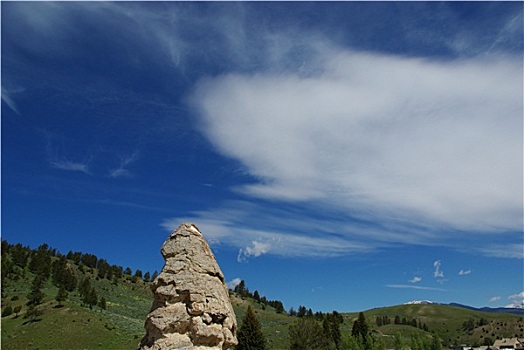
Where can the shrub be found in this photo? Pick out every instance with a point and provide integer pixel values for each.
(8, 310)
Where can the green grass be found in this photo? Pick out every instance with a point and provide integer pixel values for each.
(446, 321)
(120, 326)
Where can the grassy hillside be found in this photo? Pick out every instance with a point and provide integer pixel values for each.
(73, 325)
(447, 322)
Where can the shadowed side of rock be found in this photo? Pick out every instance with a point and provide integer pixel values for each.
(191, 307)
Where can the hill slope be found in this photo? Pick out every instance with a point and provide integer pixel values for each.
(119, 324)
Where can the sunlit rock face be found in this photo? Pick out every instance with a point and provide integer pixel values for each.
(191, 309)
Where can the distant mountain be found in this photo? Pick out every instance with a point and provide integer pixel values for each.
(421, 302)
(507, 310)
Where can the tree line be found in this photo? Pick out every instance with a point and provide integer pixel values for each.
(385, 320)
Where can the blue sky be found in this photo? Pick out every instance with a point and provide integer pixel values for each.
(335, 155)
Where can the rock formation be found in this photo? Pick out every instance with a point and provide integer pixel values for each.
(191, 309)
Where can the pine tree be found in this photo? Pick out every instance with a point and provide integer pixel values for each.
(360, 327)
(302, 311)
(91, 298)
(84, 287)
(40, 263)
(36, 295)
(61, 295)
(307, 334)
(250, 336)
(331, 325)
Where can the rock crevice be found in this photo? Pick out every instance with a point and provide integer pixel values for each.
(191, 309)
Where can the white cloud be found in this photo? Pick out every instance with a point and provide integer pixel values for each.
(415, 279)
(517, 296)
(411, 286)
(494, 299)
(233, 283)
(276, 231)
(438, 273)
(256, 250)
(64, 164)
(517, 304)
(396, 139)
(463, 272)
(517, 300)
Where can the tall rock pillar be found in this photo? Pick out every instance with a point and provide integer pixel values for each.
(191, 309)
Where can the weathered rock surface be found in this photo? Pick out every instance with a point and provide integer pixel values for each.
(191, 309)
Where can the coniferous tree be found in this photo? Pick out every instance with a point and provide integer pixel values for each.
(61, 295)
(360, 328)
(91, 298)
(147, 276)
(40, 263)
(331, 325)
(250, 336)
(302, 311)
(36, 295)
(20, 255)
(35, 298)
(292, 311)
(309, 313)
(84, 287)
(307, 334)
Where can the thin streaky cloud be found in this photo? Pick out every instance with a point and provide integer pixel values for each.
(6, 97)
(68, 165)
(123, 169)
(410, 286)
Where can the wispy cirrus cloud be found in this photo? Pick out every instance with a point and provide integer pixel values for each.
(415, 279)
(7, 98)
(274, 231)
(411, 286)
(68, 165)
(123, 169)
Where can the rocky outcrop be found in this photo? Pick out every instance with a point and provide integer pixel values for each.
(191, 309)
